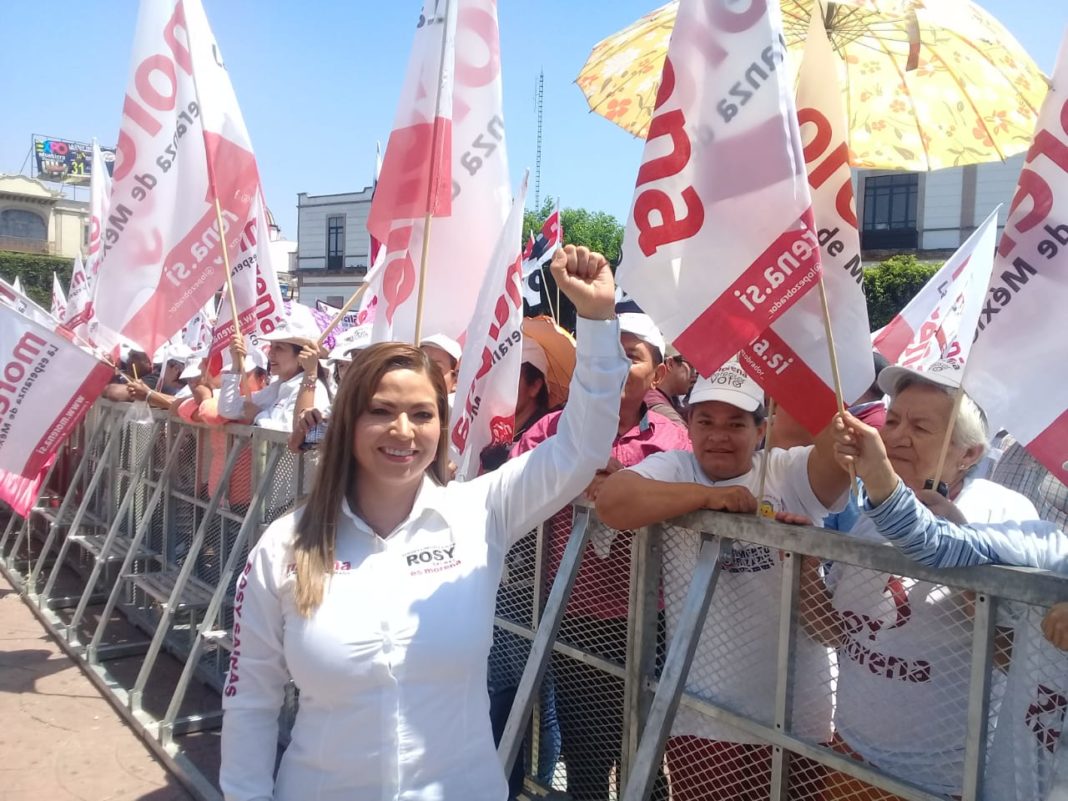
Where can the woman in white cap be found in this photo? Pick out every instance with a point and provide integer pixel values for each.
(293, 360)
(735, 662)
(309, 420)
(377, 597)
(905, 645)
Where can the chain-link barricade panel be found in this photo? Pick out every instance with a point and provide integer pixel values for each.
(589, 661)
(283, 491)
(734, 666)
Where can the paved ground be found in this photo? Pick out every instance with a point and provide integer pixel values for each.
(59, 739)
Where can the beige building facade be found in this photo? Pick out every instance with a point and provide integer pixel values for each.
(36, 219)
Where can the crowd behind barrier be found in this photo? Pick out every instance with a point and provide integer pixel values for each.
(132, 554)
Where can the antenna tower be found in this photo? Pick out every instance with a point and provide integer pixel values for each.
(538, 97)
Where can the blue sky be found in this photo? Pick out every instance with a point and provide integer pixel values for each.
(318, 82)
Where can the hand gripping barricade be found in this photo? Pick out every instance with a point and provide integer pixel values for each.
(691, 659)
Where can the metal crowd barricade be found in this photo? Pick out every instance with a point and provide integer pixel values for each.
(600, 640)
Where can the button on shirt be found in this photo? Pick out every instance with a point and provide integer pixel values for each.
(392, 666)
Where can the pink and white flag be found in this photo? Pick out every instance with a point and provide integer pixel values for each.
(48, 384)
(80, 316)
(721, 241)
(484, 411)
(791, 360)
(182, 145)
(461, 161)
(59, 300)
(940, 322)
(1016, 371)
(20, 492)
(256, 290)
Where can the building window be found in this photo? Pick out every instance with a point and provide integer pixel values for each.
(890, 211)
(23, 225)
(335, 242)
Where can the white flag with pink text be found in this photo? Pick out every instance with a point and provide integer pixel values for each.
(182, 148)
(940, 322)
(48, 385)
(80, 314)
(470, 178)
(484, 410)
(1017, 366)
(790, 359)
(720, 241)
(256, 290)
(59, 300)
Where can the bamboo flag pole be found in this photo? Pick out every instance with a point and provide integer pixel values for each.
(341, 312)
(548, 297)
(767, 458)
(226, 260)
(836, 375)
(432, 179)
(957, 400)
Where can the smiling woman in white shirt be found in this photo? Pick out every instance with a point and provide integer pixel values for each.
(293, 348)
(377, 597)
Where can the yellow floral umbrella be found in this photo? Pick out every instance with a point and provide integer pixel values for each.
(926, 83)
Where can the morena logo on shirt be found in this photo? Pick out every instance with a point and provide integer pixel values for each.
(431, 560)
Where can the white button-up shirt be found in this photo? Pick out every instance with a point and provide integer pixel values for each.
(275, 402)
(392, 667)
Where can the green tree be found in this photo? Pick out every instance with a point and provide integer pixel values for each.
(35, 273)
(597, 230)
(890, 285)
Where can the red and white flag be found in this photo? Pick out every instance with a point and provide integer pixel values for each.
(80, 314)
(791, 360)
(20, 492)
(940, 321)
(1016, 371)
(374, 246)
(182, 145)
(256, 290)
(48, 384)
(59, 300)
(460, 164)
(484, 411)
(721, 242)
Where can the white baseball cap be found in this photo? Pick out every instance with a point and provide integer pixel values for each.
(297, 329)
(535, 355)
(729, 384)
(944, 373)
(447, 344)
(642, 326)
(347, 342)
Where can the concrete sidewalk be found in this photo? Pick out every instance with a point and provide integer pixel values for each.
(59, 739)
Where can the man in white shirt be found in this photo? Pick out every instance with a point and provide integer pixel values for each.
(736, 656)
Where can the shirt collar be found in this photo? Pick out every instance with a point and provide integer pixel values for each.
(429, 500)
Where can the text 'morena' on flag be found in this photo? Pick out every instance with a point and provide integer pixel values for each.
(720, 241)
(1016, 371)
(791, 359)
(182, 147)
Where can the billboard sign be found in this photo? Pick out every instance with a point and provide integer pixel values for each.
(65, 161)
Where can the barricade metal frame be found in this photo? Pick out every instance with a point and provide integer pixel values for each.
(122, 475)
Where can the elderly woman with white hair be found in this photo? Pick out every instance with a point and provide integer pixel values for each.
(905, 645)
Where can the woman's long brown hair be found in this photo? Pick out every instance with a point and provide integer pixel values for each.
(315, 544)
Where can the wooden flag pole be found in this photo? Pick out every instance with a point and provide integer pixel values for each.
(548, 298)
(341, 312)
(957, 400)
(833, 352)
(423, 262)
(432, 181)
(226, 262)
(767, 457)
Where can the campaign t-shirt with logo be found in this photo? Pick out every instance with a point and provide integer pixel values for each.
(392, 666)
(736, 660)
(904, 670)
